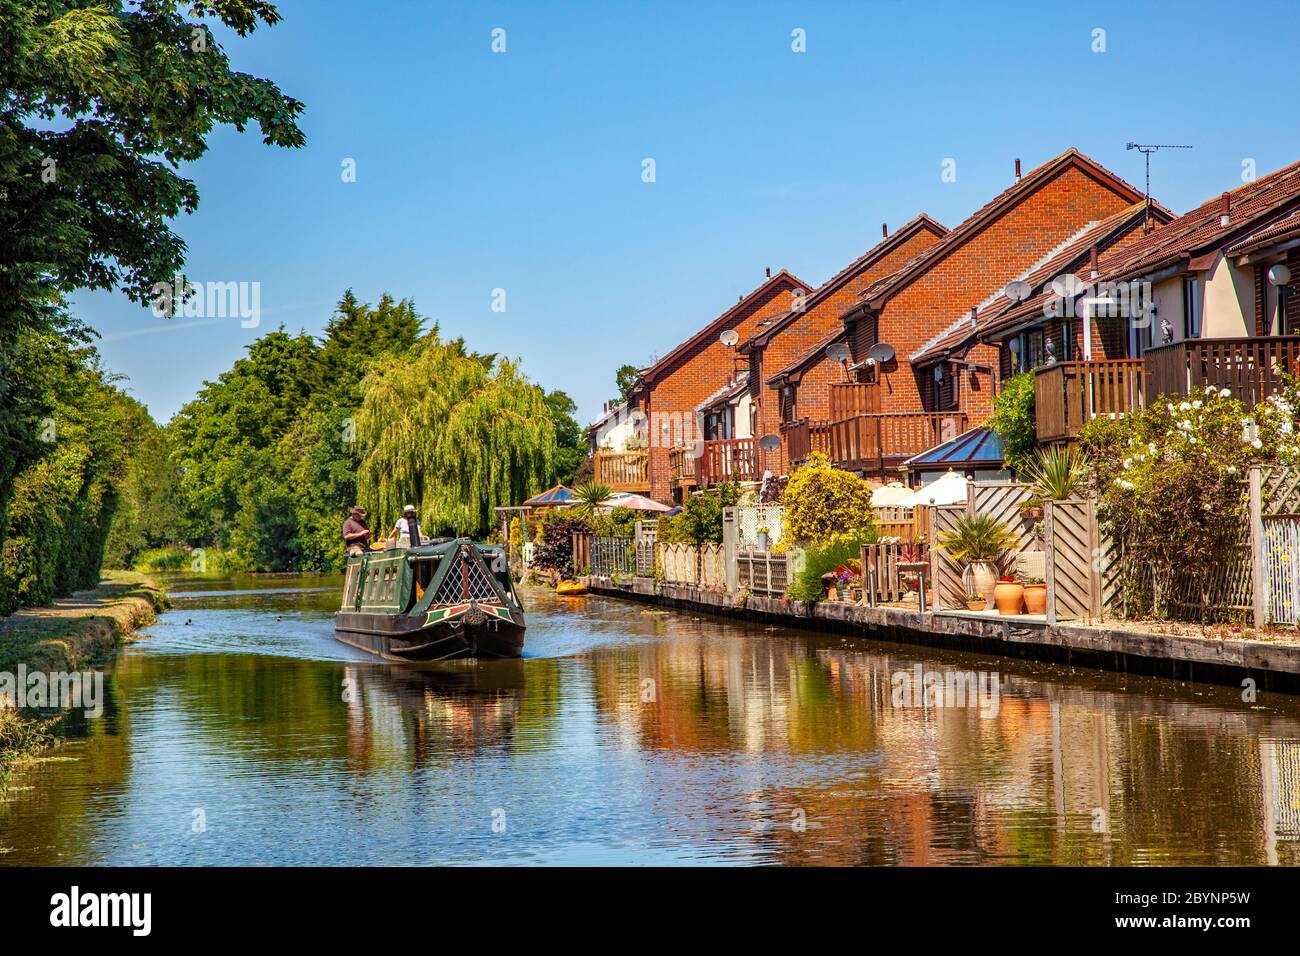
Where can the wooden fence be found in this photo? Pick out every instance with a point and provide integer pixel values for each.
(905, 524)
(612, 555)
(882, 581)
(685, 565)
(763, 572)
(1002, 500)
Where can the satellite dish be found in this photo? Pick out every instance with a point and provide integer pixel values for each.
(1018, 290)
(729, 338)
(770, 442)
(882, 352)
(838, 352)
(1067, 286)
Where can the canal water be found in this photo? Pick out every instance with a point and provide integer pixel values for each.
(239, 731)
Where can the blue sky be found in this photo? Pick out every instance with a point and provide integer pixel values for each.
(522, 170)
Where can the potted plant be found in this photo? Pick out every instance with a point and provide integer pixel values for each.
(1031, 508)
(762, 538)
(1035, 596)
(1008, 594)
(979, 540)
(975, 602)
(1056, 474)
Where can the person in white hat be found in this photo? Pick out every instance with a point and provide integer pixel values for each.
(407, 529)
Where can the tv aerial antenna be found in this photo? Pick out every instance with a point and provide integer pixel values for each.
(1146, 149)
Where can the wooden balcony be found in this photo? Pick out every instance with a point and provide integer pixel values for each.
(875, 443)
(732, 459)
(1068, 395)
(854, 398)
(681, 464)
(1250, 368)
(804, 437)
(622, 470)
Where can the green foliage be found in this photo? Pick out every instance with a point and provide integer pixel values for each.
(1171, 480)
(624, 378)
(64, 498)
(821, 502)
(101, 105)
(1056, 473)
(977, 537)
(700, 520)
(554, 551)
(835, 552)
(620, 522)
(146, 515)
(1013, 420)
(453, 434)
(587, 498)
(570, 451)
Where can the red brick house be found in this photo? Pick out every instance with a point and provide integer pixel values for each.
(789, 336)
(1210, 297)
(669, 393)
(900, 398)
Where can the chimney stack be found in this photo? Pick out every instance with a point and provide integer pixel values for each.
(1017, 169)
(1092, 257)
(884, 229)
(1225, 209)
(769, 272)
(974, 315)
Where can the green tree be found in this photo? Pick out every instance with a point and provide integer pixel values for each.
(439, 429)
(624, 378)
(103, 100)
(569, 448)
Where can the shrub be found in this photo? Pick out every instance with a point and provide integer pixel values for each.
(620, 522)
(555, 552)
(821, 502)
(819, 559)
(978, 537)
(1013, 419)
(1171, 480)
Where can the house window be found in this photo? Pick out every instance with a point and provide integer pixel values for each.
(1031, 351)
(1067, 341)
(1191, 309)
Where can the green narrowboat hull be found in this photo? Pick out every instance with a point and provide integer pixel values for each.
(441, 601)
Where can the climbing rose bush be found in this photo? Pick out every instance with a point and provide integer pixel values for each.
(821, 503)
(1171, 484)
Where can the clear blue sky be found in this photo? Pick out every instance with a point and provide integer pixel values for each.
(523, 170)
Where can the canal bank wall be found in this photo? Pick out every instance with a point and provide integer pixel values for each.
(75, 633)
(1272, 665)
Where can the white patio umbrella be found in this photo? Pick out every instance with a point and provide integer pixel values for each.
(890, 495)
(950, 489)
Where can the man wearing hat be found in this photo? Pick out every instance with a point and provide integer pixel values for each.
(408, 528)
(356, 536)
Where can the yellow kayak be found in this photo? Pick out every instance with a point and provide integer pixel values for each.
(571, 587)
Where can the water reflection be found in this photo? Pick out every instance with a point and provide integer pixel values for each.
(632, 735)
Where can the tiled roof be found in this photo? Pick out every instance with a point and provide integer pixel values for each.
(1201, 229)
(864, 261)
(648, 374)
(878, 292)
(1280, 230)
(727, 392)
(1051, 265)
(814, 354)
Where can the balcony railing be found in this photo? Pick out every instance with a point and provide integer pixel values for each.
(871, 443)
(681, 463)
(1250, 368)
(731, 459)
(804, 437)
(622, 471)
(1068, 395)
(854, 398)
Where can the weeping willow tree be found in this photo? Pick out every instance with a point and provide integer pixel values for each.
(452, 433)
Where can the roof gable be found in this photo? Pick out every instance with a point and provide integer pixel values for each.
(881, 291)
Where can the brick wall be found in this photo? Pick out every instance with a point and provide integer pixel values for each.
(984, 263)
(705, 366)
(820, 319)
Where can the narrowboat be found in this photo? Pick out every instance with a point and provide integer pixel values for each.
(448, 599)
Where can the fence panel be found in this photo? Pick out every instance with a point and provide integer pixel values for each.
(1282, 568)
(750, 519)
(1071, 578)
(882, 582)
(762, 572)
(612, 555)
(646, 531)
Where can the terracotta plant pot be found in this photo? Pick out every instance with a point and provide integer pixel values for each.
(983, 575)
(976, 605)
(832, 595)
(1035, 598)
(1007, 596)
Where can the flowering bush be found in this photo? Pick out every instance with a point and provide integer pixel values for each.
(821, 502)
(1172, 490)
